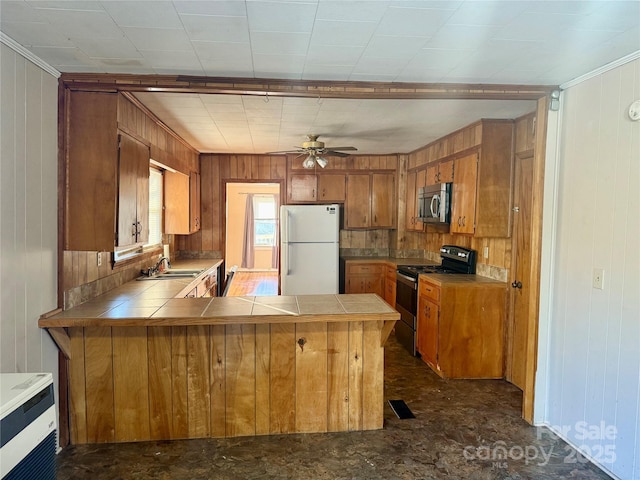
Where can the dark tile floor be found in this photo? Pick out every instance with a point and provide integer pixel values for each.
(464, 429)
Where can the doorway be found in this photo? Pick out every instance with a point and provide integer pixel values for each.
(252, 237)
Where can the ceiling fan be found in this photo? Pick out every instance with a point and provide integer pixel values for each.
(316, 151)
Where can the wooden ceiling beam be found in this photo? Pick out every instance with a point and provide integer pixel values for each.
(302, 88)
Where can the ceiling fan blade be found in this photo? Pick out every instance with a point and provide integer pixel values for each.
(342, 148)
(285, 151)
(335, 154)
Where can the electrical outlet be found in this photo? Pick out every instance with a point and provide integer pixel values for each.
(99, 259)
(486, 252)
(598, 278)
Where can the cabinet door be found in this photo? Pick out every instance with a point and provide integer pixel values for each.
(463, 203)
(92, 172)
(142, 192)
(411, 199)
(390, 286)
(133, 191)
(427, 334)
(332, 187)
(356, 284)
(432, 175)
(413, 186)
(194, 202)
(303, 188)
(176, 203)
(445, 172)
(357, 207)
(375, 285)
(383, 200)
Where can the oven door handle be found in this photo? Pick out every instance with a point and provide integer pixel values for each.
(407, 280)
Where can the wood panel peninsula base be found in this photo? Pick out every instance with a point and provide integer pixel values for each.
(227, 367)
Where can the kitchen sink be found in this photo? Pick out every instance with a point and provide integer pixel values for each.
(173, 274)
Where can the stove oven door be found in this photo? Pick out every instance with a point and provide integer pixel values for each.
(406, 304)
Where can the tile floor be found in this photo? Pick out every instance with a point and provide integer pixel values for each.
(459, 426)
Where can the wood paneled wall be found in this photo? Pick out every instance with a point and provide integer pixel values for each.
(218, 169)
(215, 171)
(153, 383)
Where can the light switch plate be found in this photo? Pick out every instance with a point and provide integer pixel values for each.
(99, 259)
(598, 278)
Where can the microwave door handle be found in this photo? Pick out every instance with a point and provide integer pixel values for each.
(434, 210)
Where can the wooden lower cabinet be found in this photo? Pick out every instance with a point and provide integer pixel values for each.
(390, 285)
(365, 278)
(169, 382)
(460, 326)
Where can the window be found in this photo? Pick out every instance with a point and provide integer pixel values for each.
(264, 220)
(155, 207)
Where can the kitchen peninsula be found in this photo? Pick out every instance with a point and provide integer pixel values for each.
(146, 367)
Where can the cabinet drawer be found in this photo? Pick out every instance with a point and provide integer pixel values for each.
(429, 290)
(364, 269)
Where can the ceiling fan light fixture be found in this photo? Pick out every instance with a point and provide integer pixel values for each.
(309, 162)
(322, 161)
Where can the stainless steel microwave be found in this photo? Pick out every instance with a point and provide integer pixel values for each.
(434, 203)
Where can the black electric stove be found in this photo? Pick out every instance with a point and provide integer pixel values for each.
(455, 260)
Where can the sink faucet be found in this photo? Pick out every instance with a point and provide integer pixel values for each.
(156, 268)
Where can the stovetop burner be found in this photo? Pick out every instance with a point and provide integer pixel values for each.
(455, 260)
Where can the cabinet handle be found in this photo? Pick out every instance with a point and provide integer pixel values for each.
(313, 193)
(464, 221)
(139, 229)
(133, 230)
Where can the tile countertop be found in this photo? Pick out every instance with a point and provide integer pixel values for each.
(154, 303)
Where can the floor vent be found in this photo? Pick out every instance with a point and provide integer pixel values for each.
(400, 409)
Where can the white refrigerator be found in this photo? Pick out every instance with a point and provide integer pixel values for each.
(309, 239)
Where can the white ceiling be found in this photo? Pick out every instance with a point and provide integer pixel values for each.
(495, 42)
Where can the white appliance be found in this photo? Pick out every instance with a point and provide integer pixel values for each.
(309, 238)
(27, 426)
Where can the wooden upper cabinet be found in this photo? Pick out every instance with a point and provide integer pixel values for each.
(133, 191)
(441, 172)
(463, 201)
(303, 188)
(181, 202)
(176, 203)
(332, 187)
(91, 160)
(370, 201)
(317, 187)
(194, 202)
(481, 196)
(107, 184)
(415, 181)
(358, 206)
(383, 200)
(445, 171)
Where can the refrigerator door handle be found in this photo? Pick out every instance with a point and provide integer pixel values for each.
(288, 259)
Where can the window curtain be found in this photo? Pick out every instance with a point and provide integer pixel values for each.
(248, 255)
(275, 252)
